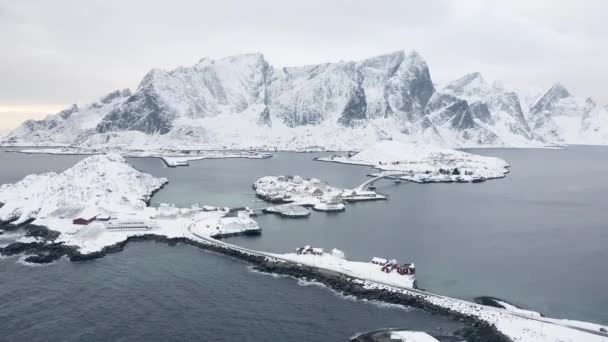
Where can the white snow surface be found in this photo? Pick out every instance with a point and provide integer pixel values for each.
(411, 336)
(98, 181)
(517, 326)
(307, 191)
(357, 269)
(513, 308)
(422, 162)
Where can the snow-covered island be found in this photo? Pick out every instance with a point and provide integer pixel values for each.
(102, 201)
(297, 192)
(307, 191)
(424, 163)
(171, 158)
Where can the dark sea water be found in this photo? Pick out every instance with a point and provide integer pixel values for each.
(538, 238)
(154, 292)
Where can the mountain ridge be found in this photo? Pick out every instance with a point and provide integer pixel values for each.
(213, 103)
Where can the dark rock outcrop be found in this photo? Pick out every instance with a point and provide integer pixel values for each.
(355, 109)
(264, 119)
(143, 111)
(549, 99)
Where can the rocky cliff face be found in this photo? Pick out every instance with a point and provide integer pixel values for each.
(494, 108)
(225, 102)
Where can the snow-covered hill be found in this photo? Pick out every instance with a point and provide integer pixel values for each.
(242, 101)
(92, 182)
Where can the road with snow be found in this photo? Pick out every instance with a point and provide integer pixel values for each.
(278, 258)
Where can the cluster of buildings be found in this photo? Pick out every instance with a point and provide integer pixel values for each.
(319, 251)
(88, 216)
(390, 265)
(313, 187)
(309, 250)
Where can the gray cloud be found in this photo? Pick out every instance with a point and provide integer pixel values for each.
(74, 51)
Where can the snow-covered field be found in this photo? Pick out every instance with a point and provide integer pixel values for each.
(425, 163)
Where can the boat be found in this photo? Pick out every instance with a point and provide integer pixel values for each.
(371, 187)
(329, 207)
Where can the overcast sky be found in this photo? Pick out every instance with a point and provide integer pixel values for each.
(59, 52)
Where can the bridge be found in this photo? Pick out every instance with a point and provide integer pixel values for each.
(385, 174)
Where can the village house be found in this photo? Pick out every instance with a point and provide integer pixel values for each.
(379, 261)
(83, 220)
(309, 250)
(127, 225)
(406, 269)
(389, 266)
(316, 192)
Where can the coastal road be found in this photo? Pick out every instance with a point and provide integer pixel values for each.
(278, 258)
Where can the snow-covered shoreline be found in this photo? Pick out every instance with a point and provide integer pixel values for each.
(422, 163)
(171, 158)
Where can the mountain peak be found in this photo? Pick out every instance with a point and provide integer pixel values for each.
(552, 96)
(413, 55)
(473, 77)
(559, 91)
(415, 59)
(468, 85)
(244, 58)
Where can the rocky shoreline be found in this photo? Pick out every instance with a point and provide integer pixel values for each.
(384, 335)
(475, 329)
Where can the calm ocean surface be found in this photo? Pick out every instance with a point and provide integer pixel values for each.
(537, 238)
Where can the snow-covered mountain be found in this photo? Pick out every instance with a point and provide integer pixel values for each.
(68, 125)
(244, 102)
(473, 111)
(559, 117)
